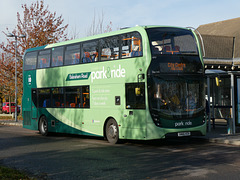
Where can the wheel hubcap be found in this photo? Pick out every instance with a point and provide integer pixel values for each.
(44, 126)
(112, 131)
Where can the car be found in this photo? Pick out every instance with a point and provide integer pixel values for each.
(6, 109)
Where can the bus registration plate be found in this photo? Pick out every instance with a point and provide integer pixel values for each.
(181, 134)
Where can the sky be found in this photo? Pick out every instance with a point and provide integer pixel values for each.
(126, 13)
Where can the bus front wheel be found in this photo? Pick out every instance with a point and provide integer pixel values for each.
(111, 130)
(43, 126)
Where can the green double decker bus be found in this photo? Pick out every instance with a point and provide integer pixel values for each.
(145, 82)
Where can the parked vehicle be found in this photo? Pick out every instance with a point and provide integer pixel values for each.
(6, 109)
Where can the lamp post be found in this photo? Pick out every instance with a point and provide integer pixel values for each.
(15, 36)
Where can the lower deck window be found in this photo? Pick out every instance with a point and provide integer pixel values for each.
(57, 97)
(44, 98)
(68, 97)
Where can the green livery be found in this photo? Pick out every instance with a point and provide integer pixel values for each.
(144, 83)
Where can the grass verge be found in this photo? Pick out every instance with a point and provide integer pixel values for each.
(8, 173)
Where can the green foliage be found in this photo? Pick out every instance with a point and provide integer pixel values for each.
(8, 173)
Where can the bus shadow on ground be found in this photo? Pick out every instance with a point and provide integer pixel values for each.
(180, 141)
(169, 141)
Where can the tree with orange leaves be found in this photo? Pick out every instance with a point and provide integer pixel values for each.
(41, 27)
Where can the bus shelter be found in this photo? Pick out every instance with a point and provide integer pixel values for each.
(223, 98)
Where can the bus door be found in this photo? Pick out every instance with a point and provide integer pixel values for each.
(135, 105)
(34, 104)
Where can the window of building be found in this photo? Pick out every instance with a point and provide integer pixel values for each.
(44, 59)
(57, 56)
(90, 52)
(72, 55)
(30, 61)
(109, 48)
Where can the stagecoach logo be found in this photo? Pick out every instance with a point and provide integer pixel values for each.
(78, 76)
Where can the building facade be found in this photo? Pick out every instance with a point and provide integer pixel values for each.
(222, 64)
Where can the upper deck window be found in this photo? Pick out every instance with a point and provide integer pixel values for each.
(172, 41)
(90, 52)
(57, 56)
(131, 45)
(30, 61)
(72, 55)
(116, 47)
(44, 59)
(109, 48)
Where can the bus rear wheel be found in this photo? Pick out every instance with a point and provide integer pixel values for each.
(43, 126)
(111, 130)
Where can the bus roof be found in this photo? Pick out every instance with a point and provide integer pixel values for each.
(122, 31)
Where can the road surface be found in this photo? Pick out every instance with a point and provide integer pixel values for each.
(61, 156)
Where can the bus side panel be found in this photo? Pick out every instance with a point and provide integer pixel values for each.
(29, 82)
(108, 100)
(67, 120)
(133, 124)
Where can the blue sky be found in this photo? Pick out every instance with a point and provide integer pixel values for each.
(79, 14)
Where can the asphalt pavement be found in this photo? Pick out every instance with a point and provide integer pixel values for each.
(219, 134)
